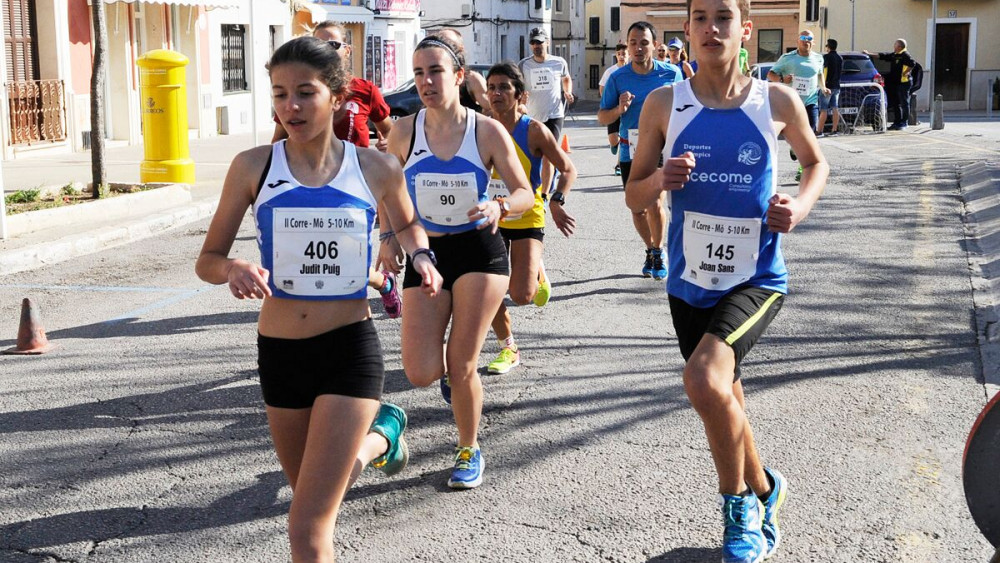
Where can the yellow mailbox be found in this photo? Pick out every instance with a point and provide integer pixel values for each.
(163, 96)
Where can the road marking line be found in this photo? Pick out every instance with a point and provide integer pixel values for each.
(95, 288)
(159, 304)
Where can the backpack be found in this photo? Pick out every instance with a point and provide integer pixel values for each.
(916, 77)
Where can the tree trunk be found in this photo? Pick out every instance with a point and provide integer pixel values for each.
(97, 79)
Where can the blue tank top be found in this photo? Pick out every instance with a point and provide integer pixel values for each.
(316, 242)
(443, 191)
(718, 237)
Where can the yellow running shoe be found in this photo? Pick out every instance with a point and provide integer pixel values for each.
(544, 289)
(508, 359)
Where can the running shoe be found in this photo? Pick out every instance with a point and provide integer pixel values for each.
(779, 490)
(614, 149)
(446, 388)
(792, 154)
(507, 360)
(659, 263)
(544, 292)
(647, 266)
(798, 175)
(742, 541)
(618, 170)
(468, 470)
(391, 300)
(390, 423)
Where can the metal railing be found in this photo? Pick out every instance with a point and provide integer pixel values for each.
(37, 111)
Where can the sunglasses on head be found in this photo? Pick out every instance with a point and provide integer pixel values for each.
(336, 44)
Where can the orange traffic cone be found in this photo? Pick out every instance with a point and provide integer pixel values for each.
(30, 335)
(565, 144)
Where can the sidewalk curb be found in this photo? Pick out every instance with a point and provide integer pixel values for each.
(53, 252)
(980, 189)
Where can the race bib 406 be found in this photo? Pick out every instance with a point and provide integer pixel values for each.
(320, 251)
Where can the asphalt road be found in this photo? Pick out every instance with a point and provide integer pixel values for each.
(142, 436)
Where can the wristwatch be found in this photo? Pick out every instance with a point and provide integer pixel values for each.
(430, 255)
(558, 197)
(504, 207)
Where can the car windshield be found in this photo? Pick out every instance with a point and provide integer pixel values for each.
(861, 64)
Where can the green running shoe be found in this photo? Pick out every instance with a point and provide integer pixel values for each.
(506, 361)
(798, 175)
(390, 423)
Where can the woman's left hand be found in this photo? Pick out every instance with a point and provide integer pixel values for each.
(490, 211)
(390, 256)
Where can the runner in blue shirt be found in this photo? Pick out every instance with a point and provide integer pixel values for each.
(623, 97)
(717, 134)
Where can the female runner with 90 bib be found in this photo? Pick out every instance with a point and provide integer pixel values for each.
(314, 199)
(448, 152)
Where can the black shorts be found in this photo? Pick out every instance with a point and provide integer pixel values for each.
(463, 253)
(555, 125)
(614, 127)
(345, 361)
(537, 233)
(739, 319)
(625, 167)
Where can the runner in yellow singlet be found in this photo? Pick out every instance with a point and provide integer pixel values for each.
(523, 234)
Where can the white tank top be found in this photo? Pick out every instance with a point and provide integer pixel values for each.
(443, 191)
(316, 242)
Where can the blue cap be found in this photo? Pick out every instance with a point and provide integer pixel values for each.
(675, 43)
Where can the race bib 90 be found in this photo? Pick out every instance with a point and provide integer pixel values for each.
(719, 252)
(319, 251)
(445, 199)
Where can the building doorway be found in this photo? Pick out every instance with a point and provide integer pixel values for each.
(951, 62)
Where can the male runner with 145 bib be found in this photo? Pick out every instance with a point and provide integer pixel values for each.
(717, 134)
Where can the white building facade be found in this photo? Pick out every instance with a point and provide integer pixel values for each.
(497, 30)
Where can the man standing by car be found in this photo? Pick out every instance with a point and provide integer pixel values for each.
(898, 81)
(549, 84)
(802, 69)
(829, 99)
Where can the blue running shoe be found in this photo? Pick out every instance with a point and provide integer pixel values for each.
(446, 388)
(659, 270)
(743, 541)
(390, 423)
(647, 266)
(779, 489)
(468, 471)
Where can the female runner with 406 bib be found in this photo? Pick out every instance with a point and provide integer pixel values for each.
(448, 151)
(320, 362)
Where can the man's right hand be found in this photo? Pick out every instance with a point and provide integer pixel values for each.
(677, 171)
(624, 101)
